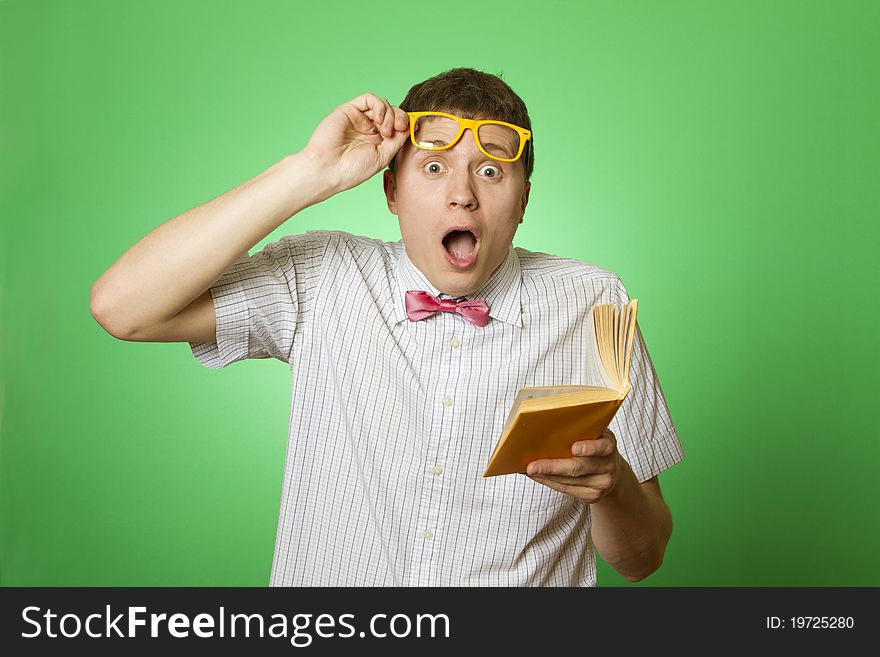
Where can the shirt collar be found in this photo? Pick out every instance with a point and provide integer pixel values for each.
(502, 291)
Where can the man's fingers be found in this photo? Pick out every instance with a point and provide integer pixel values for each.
(371, 106)
(572, 467)
(383, 116)
(598, 481)
(604, 445)
(597, 447)
(585, 493)
(386, 118)
(378, 108)
(401, 119)
(364, 103)
(391, 145)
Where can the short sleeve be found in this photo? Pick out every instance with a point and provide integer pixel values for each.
(261, 299)
(646, 436)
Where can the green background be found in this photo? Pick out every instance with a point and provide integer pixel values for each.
(722, 158)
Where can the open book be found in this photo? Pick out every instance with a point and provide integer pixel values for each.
(545, 421)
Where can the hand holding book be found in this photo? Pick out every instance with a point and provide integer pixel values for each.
(591, 473)
(545, 421)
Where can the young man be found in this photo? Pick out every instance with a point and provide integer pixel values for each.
(400, 386)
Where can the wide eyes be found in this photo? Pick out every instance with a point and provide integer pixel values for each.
(487, 170)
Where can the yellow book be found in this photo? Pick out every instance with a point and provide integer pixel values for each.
(545, 421)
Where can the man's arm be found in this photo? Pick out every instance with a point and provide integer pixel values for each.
(176, 263)
(631, 523)
(631, 526)
(158, 289)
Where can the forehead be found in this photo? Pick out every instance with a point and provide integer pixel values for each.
(473, 116)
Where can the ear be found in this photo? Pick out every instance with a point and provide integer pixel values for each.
(525, 200)
(389, 182)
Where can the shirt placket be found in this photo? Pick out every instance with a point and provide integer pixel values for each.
(441, 430)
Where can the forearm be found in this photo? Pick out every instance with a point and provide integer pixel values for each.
(631, 527)
(175, 263)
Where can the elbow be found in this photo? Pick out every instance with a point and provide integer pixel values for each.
(649, 560)
(100, 313)
(646, 566)
(646, 561)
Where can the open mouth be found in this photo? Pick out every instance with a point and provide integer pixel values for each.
(461, 245)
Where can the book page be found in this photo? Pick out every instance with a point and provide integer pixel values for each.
(548, 391)
(618, 348)
(580, 397)
(614, 327)
(605, 341)
(620, 340)
(594, 372)
(632, 310)
(539, 392)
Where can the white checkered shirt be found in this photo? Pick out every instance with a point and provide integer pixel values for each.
(392, 422)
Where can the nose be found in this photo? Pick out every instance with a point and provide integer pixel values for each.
(460, 190)
(461, 194)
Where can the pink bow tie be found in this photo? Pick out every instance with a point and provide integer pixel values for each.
(420, 305)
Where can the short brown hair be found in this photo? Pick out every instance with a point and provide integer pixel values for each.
(472, 94)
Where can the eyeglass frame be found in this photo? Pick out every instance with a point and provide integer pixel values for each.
(474, 125)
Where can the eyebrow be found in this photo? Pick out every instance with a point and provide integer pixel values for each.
(425, 154)
(497, 147)
(489, 147)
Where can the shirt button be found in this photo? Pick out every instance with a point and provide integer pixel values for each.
(438, 470)
(428, 535)
(447, 401)
(455, 342)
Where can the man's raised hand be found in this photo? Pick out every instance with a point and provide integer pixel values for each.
(357, 140)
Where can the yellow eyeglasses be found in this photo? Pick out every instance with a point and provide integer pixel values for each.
(437, 131)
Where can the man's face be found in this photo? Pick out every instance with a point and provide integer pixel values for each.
(458, 211)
